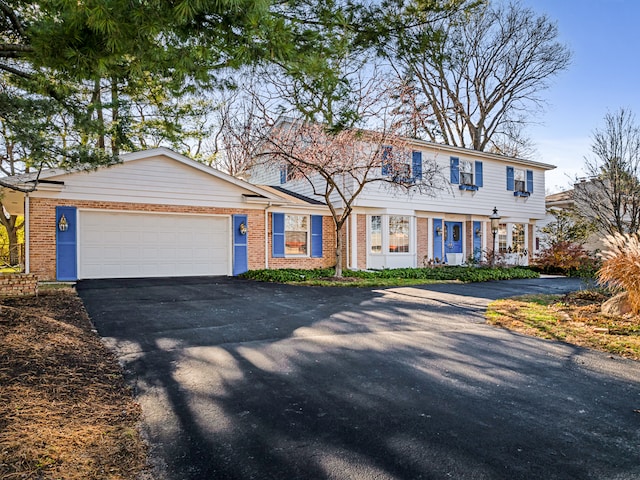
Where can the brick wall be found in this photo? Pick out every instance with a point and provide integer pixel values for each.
(328, 250)
(18, 284)
(362, 241)
(422, 239)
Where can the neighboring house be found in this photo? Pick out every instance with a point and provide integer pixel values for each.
(565, 201)
(158, 213)
(391, 228)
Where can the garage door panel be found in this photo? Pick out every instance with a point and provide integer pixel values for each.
(124, 244)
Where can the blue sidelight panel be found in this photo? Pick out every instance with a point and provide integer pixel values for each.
(240, 244)
(66, 244)
(437, 239)
(477, 240)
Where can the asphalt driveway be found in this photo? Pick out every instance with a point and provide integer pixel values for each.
(243, 380)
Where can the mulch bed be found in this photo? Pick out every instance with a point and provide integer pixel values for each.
(65, 411)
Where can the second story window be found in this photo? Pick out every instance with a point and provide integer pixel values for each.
(519, 179)
(466, 173)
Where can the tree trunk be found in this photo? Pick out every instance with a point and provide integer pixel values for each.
(11, 226)
(339, 251)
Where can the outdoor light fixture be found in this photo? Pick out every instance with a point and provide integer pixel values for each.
(495, 225)
(439, 231)
(243, 229)
(478, 232)
(63, 225)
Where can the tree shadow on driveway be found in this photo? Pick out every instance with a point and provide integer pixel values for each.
(244, 380)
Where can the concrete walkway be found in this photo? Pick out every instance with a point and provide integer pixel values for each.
(242, 380)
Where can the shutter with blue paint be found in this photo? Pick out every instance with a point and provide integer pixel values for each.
(416, 167)
(477, 240)
(455, 170)
(437, 239)
(240, 245)
(478, 174)
(386, 160)
(67, 244)
(316, 236)
(530, 181)
(277, 230)
(283, 174)
(511, 185)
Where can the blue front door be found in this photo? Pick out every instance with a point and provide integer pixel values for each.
(453, 238)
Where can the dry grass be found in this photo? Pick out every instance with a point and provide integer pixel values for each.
(65, 412)
(621, 266)
(573, 318)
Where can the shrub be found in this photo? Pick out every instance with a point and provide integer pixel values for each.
(566, 258)
(621, 266)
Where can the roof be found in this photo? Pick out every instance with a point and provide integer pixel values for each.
(292, 196)
(559, 198)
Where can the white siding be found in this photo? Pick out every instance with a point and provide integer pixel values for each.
(154, 180)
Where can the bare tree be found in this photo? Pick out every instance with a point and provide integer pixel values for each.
(474, 79)
(611, 197)
(339, 165)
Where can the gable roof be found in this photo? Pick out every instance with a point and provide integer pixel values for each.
(49, 178)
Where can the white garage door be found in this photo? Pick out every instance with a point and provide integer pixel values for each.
(123, 244)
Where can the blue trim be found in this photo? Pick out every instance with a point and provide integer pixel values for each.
(416, 167)
(277, 230)
(530, 181)
(471, 188)
(240, 245)
(511, 184)
(478, 179)
(521, 194)
(437, 240)
(67, 245)
(316, 236)
(454, 176)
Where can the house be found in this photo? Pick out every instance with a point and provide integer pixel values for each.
(157, 214)
(390, 228)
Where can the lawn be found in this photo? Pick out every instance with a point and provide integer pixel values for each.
(574, 318)
(65, 411)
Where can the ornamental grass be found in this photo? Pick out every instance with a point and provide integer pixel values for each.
(621, 266)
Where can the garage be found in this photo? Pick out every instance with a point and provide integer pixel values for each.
(129, 244)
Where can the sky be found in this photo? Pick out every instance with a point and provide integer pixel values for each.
(604, 76)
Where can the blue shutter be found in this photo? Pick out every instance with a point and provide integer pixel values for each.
(316, 236)
(386, 160)
(530, 181)
(67, 245)
(478, 174)
(416, 167)
(455, 170)
(277, 230)
(283, 174)
(240, 247)
(510, 180)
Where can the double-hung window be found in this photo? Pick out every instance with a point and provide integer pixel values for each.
(520, 181)
(296, 234)
(398, 234)
(376, 234)
(466, 172)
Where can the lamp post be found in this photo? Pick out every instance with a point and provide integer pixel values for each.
(495, 225)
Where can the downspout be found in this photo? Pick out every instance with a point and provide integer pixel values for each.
(27, 263)
(266, 235)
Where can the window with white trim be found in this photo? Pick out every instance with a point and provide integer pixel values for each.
(399, 234)
(520, 180)
(376, 234)
(517, 238)
(502, 238)
(466, 172)
(296, 234)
